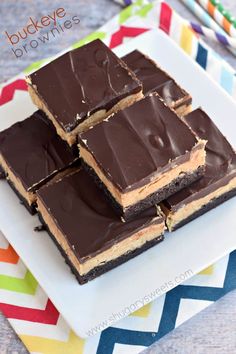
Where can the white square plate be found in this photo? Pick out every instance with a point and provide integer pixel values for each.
(186, 251)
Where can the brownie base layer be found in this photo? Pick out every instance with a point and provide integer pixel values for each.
(207, 207)
(31, 208)
(2, 173)
(155, 198)
(97, 271)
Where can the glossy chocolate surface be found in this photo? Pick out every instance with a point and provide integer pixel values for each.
(83, 215)
(83, 81)
(138, 142)
(220, 161)
(33, 150)
(154, 79)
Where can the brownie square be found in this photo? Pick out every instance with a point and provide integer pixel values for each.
(140, 155)
(82, 87)
(91, 237)
(154, 79)
(31, 153)
(218, 183)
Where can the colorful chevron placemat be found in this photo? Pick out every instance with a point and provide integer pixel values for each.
(31, 313)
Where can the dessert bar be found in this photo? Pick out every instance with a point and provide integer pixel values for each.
(154, 79)
(82, 87)
(31, 153)
(141, 155)
(91, 237)
(216, 186)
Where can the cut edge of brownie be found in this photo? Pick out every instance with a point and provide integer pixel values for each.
(155, 198)
(207, 207)
(95, 118)
(99, 270)
(183, 105)
(2, 173)
(30, 207)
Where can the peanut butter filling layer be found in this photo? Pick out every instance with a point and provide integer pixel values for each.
(71, 137)
(173, 218)
(160, 180)
(183, 110)
(155, 79)
(29, 196)
(137, 240)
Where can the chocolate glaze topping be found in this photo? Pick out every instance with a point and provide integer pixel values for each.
(154, 79)
(33, 150)
(82, 82)
(83, 215)
(220, 161)
(138, 142)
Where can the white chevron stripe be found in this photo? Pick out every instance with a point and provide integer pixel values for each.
(215, 280)
(3, 241)
(188, 308)
(194, 48)
(10, 111)
(114, 28)
(37, 301)
(234, 89)
(127, 349)
(175, 28)
(91, 344)
(60, 331)
(212, 68)
(13, 270)
(14, 78)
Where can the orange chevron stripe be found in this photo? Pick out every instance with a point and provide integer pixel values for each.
(226, 25)
(211, 9)
(8, 255)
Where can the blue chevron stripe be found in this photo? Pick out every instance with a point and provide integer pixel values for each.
(230, 277)
(201, 57)
(169, 313)
(111, 336)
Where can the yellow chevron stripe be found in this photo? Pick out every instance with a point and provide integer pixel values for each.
(74, 345)
(143, 312)
(186, 39)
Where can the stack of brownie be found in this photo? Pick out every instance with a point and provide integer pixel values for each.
(113, 156)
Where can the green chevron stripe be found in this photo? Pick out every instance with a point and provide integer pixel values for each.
(139, 8)
(144, 10)
(38, 64)
(89, 38)
(27, 285)
(35, 66)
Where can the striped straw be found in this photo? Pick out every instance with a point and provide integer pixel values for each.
(224, 12)
(205, 18)
(216, 10)
(216, 36)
